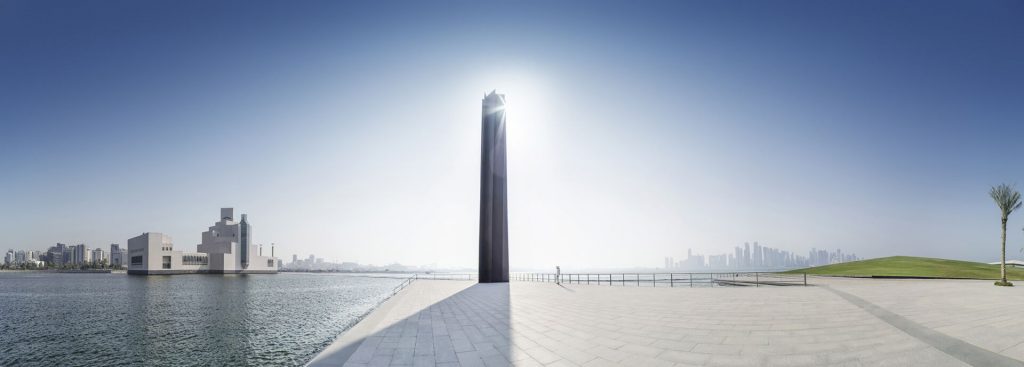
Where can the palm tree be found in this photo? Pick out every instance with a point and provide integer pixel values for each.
(1008, 200)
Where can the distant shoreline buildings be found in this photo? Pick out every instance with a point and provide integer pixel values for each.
(758, 257)
(319, 264)
(62, 256)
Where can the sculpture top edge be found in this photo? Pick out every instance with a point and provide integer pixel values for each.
(494, 98)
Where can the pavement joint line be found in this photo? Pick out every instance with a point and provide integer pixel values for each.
(956, 348)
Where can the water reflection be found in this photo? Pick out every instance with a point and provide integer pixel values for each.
(119, 320)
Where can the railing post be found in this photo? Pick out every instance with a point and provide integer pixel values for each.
(805, 279)
(757, 281)
(691, 279)
(671, 280)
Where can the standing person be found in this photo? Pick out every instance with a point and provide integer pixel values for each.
(558, 274)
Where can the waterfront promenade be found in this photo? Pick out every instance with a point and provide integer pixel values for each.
(838, 322)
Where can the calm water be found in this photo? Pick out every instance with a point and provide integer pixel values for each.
(50, 319)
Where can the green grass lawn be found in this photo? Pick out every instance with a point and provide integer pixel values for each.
(908, 266)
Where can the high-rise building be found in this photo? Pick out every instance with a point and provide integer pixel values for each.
(757, 256)
(718, 261)
(493, 192)
(55, 254)
(99, 257)
(116, 256)
(746, 255)
(80, 254)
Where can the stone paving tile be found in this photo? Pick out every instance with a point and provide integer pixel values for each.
(542, 324)
(973, 311)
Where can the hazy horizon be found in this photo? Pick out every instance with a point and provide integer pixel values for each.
(351, 130)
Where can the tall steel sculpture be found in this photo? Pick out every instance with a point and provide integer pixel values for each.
(493, 192)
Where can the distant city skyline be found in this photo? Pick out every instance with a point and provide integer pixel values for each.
(758, 257)
(351, 129)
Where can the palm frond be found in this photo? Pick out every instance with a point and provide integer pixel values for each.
(1007, 198)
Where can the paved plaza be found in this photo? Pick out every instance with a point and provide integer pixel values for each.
(836, 322)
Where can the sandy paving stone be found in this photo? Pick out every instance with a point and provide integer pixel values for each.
(451, 323)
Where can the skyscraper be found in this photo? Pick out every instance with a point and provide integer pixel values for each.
(493, 199)
(80, 254)
(746, 254)
(116, 256)
(98, 256)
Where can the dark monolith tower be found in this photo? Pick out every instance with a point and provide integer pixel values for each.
(493, 199)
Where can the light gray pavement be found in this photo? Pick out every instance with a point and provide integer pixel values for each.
(457, 323)
(974, 311)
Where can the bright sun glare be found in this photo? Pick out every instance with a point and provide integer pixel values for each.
(523, 99)
(526, 113)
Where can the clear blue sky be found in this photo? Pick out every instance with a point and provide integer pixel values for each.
(637, 129)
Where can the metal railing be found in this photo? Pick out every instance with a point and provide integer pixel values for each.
(732, 279)
(401, 286)
(424, 276)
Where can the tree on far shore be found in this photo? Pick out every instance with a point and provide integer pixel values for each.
(1008, 200)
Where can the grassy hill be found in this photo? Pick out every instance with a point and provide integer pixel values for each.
(908, 266)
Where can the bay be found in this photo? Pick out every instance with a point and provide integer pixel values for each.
(55, 319)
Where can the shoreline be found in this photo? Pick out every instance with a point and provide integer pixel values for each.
(68, 271)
